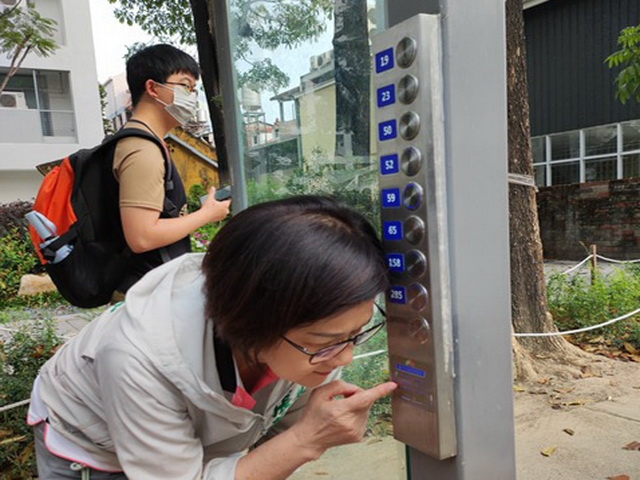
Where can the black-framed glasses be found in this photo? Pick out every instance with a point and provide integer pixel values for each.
(327, 353)
(186, 86)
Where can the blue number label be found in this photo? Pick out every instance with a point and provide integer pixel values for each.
(387, 130)
(397, 295)
(389, 164)
(393, 230)
(391, 198)
(384, 60)
(395, 262)
(386, 95)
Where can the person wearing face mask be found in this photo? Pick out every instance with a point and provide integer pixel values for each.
(162, 82)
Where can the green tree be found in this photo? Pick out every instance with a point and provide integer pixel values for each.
(265, 24)
(628, 57)
(23, 31)
(107, 126)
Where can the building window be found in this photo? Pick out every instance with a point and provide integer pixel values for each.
(37, 107)
(606, 152)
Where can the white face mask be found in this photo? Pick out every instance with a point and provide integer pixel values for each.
(184, 106)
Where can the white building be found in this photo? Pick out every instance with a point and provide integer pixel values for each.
(51, 107)
(118, 101)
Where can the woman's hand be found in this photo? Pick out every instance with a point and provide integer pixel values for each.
(337, 414)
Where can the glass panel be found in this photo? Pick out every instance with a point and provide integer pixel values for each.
(304, 90)
(596, 169)
(565, 145)
(631, 165)
(600, 140)
(564, 173)
(304, 94)
(540, 173)
(56, 106)
(631, 135)
(538, 145)
(21, 88)
(53, 9)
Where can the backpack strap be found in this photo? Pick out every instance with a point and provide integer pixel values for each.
(168, 207)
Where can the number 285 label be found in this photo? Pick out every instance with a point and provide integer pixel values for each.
(397, 295)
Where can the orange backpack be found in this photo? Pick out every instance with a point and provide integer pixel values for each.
(75, 223)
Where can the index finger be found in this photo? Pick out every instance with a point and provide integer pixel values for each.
(367, 397)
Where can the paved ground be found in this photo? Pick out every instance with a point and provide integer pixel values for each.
(594, 451)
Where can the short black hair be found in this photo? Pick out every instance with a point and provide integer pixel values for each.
(287, 263)
(157, 62)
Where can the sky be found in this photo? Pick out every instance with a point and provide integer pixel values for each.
(110, 39)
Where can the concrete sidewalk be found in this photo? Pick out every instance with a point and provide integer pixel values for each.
(594, 451)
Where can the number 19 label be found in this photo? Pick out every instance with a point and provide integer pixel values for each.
(384, 60)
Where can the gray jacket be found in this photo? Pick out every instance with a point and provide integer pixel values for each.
(138, 387)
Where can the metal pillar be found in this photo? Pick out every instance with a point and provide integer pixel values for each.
(475, 112)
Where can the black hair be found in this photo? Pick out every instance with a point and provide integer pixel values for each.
(288, 263)
(157, 62)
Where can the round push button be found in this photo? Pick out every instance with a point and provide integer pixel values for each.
(414, 229)
(409, 125)
(419, 329)
(407, 89)
(418, 297)
(411, 161)
(416, 263)
(406, 52)
(412, 196)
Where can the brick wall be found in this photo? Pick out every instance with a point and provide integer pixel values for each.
(606, 214)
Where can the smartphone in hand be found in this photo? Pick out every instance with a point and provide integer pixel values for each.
(220, 195)
(223, 193)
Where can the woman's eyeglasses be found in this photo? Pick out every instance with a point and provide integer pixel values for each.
(327, 353)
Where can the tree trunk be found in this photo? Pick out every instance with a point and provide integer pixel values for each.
(205, 39)
(352, 73)
(529, 308)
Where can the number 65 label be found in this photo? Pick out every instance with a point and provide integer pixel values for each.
(393, 230)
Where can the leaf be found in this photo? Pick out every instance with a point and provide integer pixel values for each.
(632, 446)
(13, 439)
(630, 348)
(547, 452)
(573, 403)
(619, 477)
(518, 388)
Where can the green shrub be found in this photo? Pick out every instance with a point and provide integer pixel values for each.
(193, 198)
(20, 360)
(17, 258)
(368, 372)
(577, 302)
(12, 216)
